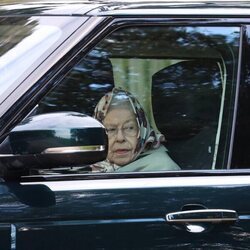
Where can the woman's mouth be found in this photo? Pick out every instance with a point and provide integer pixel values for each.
(122, 152)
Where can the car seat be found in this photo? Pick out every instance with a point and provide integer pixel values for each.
(186, 99)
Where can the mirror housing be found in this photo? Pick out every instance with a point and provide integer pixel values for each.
(54, 140)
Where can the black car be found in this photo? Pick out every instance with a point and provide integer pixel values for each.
(186, 63)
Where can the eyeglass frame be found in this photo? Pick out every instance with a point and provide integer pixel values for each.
(123, 130)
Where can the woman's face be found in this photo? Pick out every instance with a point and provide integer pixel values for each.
(122, 132)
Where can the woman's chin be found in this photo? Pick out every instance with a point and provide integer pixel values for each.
(122, 161)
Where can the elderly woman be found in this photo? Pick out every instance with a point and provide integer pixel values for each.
(133, 144)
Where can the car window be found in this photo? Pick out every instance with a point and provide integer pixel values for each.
(180, 85)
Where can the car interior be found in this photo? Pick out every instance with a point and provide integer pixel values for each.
(182, 91)
(189, 90)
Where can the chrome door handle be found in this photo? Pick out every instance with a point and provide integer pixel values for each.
(203, 215)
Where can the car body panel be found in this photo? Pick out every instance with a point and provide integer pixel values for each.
(49, 9)
(29, 79)
(116, 8)
(61, 34)
(124, 213)
(126, 210)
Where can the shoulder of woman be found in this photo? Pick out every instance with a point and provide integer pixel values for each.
(152, 160)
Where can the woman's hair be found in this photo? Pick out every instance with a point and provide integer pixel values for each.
(119, 98)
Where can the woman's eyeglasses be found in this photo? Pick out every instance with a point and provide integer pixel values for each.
(127, 130)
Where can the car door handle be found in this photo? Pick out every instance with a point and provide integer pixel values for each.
(203, 215)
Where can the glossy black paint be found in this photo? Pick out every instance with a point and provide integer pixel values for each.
(22, 106)
(74, 139)
(242, 134)
(29, 8)
(61, 212)
(71, 7)
(112, 219)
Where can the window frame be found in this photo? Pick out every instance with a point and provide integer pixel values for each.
(241, 104)
(105, 29)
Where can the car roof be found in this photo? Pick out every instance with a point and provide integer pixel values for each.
(39, 7)
(126, 7)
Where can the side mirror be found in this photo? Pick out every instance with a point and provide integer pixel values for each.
(54, 140)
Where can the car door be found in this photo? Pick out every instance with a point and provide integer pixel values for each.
(23, 37)
(193, 72)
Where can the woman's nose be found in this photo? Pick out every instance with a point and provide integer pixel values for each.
(120, 135)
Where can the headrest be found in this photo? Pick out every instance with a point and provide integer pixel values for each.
(190, 93)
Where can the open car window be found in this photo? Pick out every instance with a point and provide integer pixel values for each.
(183, 77)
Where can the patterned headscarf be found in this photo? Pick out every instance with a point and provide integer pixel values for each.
(147, 137)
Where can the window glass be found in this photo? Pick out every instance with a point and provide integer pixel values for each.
(172, 103)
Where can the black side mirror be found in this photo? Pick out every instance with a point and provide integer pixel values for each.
(54, 140)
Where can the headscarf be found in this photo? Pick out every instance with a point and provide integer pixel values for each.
(147, 137)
